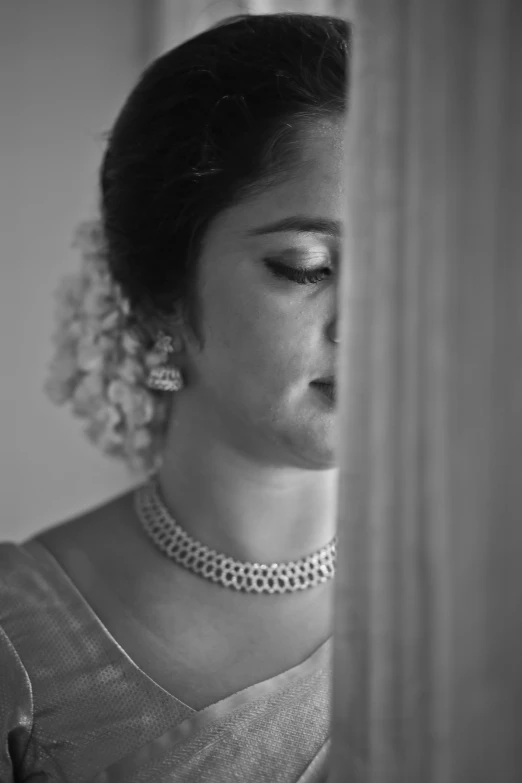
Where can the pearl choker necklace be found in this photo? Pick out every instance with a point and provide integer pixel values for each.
(176, 544)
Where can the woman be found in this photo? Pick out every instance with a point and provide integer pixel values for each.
(136, 642)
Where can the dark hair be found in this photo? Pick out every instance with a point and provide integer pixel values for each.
(213, 121)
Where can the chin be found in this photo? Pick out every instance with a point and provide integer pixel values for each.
(314, 451)
(324, 460)
(304, 437)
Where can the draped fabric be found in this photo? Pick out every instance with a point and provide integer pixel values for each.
(75, 708)
(428, 626)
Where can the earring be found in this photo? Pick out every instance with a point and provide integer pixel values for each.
(164, 378)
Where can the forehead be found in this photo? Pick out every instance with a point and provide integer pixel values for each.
(315, 189)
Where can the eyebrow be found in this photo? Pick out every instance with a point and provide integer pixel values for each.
(302, 224)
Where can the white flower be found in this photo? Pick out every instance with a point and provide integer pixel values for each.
(131, 370)
(130, 343)
(99, 367)
(88, 395)
(135, 402)
(142, 410)
(106, 344)
(141, 439)
(109, 437)
(64, 367)
(120, 393)
(125, 305)
(89, 240)
(66, 347)
(97, 301)
(82, 406)
(71, 289)
(110, 321)
(90, 358)
(58, 390)
(74, 330)
(109, 416)
(92, 352)
(103, 429)
(88, 235)
(69, 298)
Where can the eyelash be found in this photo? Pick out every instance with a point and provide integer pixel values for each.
(296, 274)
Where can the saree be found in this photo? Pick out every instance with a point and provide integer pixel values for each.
(75, 708)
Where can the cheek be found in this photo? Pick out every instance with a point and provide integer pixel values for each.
(262, 337)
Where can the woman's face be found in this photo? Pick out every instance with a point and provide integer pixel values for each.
(268, 336)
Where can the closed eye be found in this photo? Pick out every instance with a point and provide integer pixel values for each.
(297, 274)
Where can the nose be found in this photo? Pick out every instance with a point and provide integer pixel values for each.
(333, 332)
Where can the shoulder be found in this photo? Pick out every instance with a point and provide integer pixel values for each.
(102, 524)
(39, 602)
(102, 520)
(90, 537)
(54, 655)
(14, 565)
(27, 571)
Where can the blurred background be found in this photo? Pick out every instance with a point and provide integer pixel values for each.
(66, 67)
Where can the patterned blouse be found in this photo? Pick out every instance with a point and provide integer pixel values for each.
(74, 707)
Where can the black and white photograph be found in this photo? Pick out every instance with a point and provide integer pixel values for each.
(261, 410)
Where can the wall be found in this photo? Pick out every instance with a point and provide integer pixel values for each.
(65, 67)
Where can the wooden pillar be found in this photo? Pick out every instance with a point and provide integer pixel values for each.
(428, 639)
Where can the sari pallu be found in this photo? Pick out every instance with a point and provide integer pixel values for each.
(271, 736)
(76, 709)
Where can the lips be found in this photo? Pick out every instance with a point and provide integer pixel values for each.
(326, 386)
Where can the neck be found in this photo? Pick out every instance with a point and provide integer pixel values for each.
(252, 512)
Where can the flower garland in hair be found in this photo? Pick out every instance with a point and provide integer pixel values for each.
(100, 365)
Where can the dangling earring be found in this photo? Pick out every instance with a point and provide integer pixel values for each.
(164, 378)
